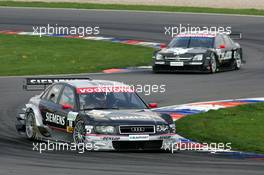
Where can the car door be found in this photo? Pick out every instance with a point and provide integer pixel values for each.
(221, 48)
(228, 48)
(49, 106)
(67, 108)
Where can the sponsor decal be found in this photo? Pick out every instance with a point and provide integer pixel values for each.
(159, 62)
(46, 81)
(54, 118)
(108, 138)
(228, 55)
(129, 117)
(176, 51)
(179, 64)
(196, 35)
(71, 118)
(69, 129)
(104, 89)
(98, 113)
(138, 137)
(165, 137)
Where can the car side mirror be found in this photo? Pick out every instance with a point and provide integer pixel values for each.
(67, 106)
(152, 105)
(222, 46)
(162, 46)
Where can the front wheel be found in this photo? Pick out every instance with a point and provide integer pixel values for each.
(79, 132)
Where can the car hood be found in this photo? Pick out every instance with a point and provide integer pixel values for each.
(125, 117)
(182, 51)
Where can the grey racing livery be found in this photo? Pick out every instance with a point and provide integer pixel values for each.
(107, 114)
(199, 52)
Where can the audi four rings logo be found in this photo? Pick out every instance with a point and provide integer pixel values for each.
(137, 129)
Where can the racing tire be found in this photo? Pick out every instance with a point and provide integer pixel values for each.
(79, 132)
(237, 61)
(213, 64)
(30, 124)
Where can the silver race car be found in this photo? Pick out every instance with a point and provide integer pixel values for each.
(211, 52)
(108, 114)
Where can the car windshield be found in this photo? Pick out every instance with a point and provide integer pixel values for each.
(190, 42)
(110, 100)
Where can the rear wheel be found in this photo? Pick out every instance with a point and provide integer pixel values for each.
(213, 64)
(31, 126)
(237, 61)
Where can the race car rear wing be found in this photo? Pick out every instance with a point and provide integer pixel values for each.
(235, 35)
(40, 84)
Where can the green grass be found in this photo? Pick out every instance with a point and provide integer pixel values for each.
(242, 126)
(133, 7)
(30, 55)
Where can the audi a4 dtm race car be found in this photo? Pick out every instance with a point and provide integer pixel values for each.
(199, 53)
(106, 113)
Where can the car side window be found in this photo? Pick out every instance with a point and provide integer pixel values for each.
(67, 97)
(45, 93)
(219, 41)
(227, 41)
(54, 93)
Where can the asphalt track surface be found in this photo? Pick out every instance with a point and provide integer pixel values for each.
(16, 155)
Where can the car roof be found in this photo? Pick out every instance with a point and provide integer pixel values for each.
(93, 83)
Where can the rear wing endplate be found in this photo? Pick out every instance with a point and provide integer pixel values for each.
(40, 84)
